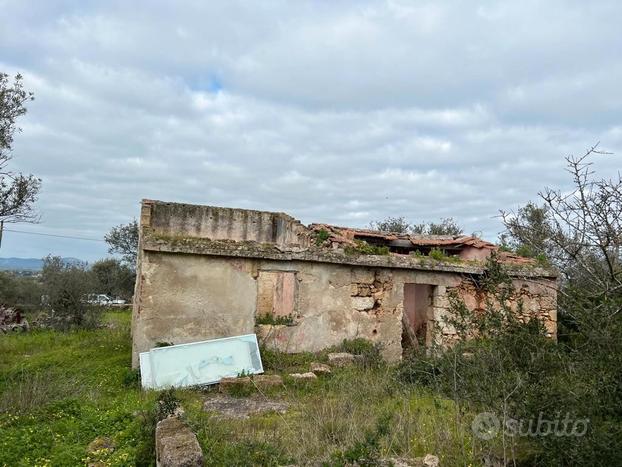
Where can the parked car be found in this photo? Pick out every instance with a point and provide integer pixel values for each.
(98, 299)
(103, 300)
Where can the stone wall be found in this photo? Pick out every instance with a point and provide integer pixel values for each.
(187, 298)
(206, 272)
(529, 299)
(188, 220)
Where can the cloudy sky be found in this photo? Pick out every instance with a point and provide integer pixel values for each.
(332, 111)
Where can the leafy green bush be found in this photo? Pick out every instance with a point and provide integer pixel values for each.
(512, 370)
(363, 248)
(321, 236)
(437, 254)
(21, 292)
(66, 287)
(113, 278)
(167, 404)
(131, 378)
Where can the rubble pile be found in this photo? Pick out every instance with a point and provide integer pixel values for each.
(11, 320)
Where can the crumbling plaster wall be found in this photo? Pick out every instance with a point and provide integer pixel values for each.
(184, 298)
(341, 302)
(188, 298)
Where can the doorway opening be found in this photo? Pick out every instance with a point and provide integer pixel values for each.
(417, 315)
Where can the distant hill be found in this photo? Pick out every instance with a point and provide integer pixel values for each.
(27, 264)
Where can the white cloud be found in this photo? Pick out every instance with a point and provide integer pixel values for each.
(339, 112)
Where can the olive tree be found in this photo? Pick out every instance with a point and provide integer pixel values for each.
(123, 240)
(18, 191)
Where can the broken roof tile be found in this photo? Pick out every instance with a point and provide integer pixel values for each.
(347, 236)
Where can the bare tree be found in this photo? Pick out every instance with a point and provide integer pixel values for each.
(18, 192)
(580, 229)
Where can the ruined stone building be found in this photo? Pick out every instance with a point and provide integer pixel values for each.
(208, 272)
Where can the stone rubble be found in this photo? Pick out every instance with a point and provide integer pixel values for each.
(267, 381)
(227, 384)
(176, 445)
(320, 368)
(308, 376)
(11, 321)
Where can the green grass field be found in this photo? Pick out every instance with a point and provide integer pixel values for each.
(59, 391)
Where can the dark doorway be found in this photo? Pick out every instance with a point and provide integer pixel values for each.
(417, 305)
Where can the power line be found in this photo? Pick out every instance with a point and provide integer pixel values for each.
(54, 235)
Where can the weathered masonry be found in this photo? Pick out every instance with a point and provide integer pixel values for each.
(206, 272)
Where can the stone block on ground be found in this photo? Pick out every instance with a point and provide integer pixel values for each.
(234, 407)
(309, 376)
(320, 368)
(267, 381)
(226, 384)
(176, 445)
(99, 444)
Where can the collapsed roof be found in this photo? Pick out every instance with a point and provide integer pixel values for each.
(202, 229)
(462, 246)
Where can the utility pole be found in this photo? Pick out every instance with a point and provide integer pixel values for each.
(1, 229)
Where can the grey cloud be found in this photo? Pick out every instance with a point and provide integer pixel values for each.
(338, 112)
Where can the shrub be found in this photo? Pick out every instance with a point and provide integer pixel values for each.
(321, 236)
(113, 278)
(21, 292)
(131, 378)
(67, 286)
(167, 404)
(511, 369)
(437, 254)
(364, 248)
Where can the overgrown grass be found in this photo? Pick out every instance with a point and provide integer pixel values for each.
(59, 391)
(330, 420)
